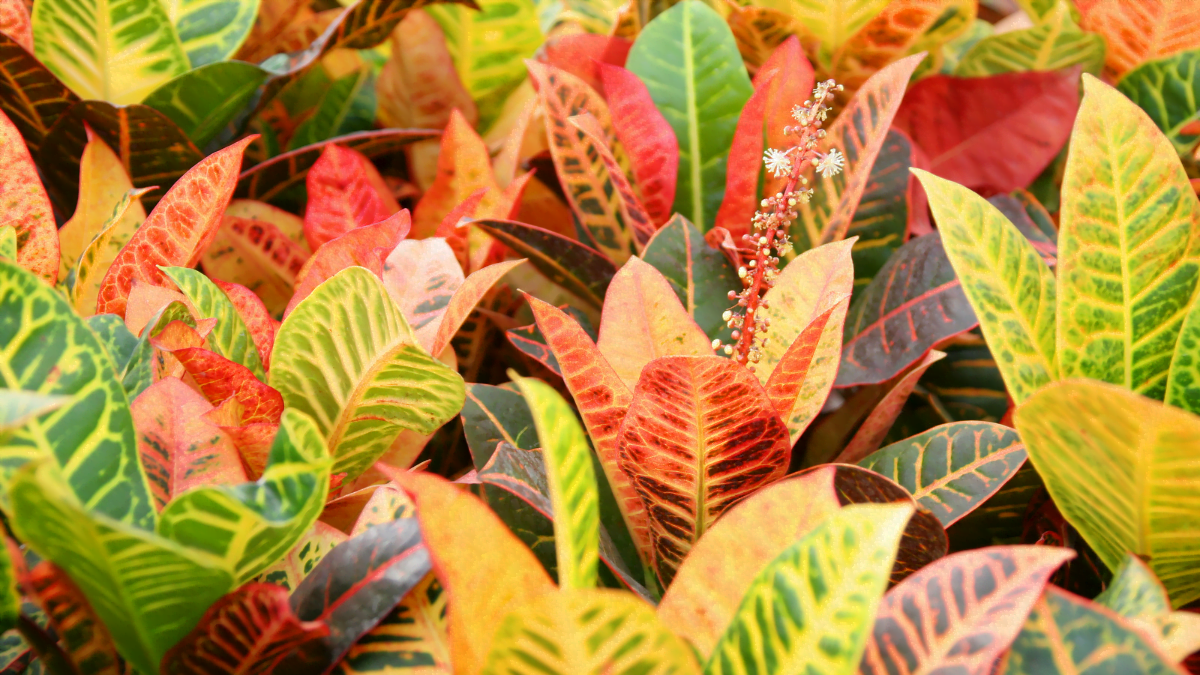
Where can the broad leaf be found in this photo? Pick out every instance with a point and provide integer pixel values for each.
(1056, 42)
(177, 230)
(230, 338)
(97, 257)
(1126, 261)
(365, 247)
(689, 62)
(345, 191)
(108, 50)
(587, 632)
(577, 268)
(1167, 89)
(211, 30)
(25, 205)
(881, 219)
(833, 22)
(422, 275)
(1138, 485)
(345, 105)
(1139, 597)
(48, 349)
(1010, 288)
(202, 102)
(914, 303)
(961, 612)
(18, 407)
(1136, 32)
(32, 97)
(954, 468)
(463, 167)
(810, 609)
(700, 274)
(901, 29)
(260, 247)
(474, 289)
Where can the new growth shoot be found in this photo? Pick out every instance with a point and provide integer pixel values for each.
(768, 241)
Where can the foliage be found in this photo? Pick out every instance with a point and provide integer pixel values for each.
(808, 282)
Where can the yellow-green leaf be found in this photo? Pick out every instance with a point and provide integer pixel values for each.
(833, 22)
(230, 337)
(1055, 43)
(1122, 469)
(1127, 265)
(8, 242)
(100, 253)
(346, 356)
(1138, 596)
(1009, 286)
(18, 407)
(211, 30)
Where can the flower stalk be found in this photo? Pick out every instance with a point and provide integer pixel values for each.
(768, 240)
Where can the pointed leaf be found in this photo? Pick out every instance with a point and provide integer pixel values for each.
(419, 87)
(202, 102)
(699, 435)
(365, 247)
(1135, 451)
(26, 206)
(82, 636)
(954, 468)
(421, 275)
(1010, 288)
(97, 257)
(881, 220)
(629, 205)
(688, 60)
(102, 184)
(1167, 90)
(464, 300)
(577, 268)
(391, 385)
(881, 418)
(1137, 32)
(961, 612)
(414, 635)
(1056, 42)
(786, 384)
(205, 39)
(1128, 215)
(14, 22)
(647, 138)
(345, 191)
(463, 167)
(810, 609)
(230, 338)
(177, 231)
(700, 274)
(43, 98)
(260, 247)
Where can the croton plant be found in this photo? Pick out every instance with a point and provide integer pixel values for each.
(499, 337)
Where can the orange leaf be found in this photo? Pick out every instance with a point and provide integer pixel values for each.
(1141, 30)
(583, 54)
(419, 85)
(873, 430)
(421, 275)
(252, 439)
(345, 192)
(254, 314)
(83, 636)
(363, 247)
(260, 247)
(787, 379)
(902, 28)
(178, 230)
(602, 399)
(14, 22)
(145, 301)
(484, 568)
(632, 210)
(25, 206)
(463, 167)
(700, 435)
(176, 335)
(179, 449)
(472, 290)
(714, 576)
(457, 236)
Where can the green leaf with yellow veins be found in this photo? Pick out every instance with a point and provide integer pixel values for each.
(1127, 264)
(1055, 43)
(1009, 286)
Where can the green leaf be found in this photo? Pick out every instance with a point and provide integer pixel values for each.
(689, 61)
(1127, 265)
(587, 632)
(489, 46)
(8, 242)
(811, 609)
(230, 337)
(1054, 44)
(833, 22)
(137, 373)
(1138, 596)
(148, 591)
(202, 102)
(1067, 635)
(18, 407)
(108, 50)
(1121, 468)
(48, 349)
(1169, 91)
(574, 497)
(211, 30)
(1010, 288)
(881, 219)
(347, 105)
(32, 97)
(954, 468)
(700, 275)
(10, 596)
(251, 525)
(346, 357)
(1183, 379)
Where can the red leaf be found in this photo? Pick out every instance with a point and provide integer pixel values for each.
(344, 192)
(178, 230)
(82, 635)
(245, 632)
(454, 235)
(463, 167)
(25, 206)
(254, 314)
(581, 54)
(15, 23)
(992, 134)
(180, 449)
(647, 137)
(787, 379)
(363, 247)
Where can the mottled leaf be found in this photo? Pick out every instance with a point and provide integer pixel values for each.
(647, 138)
(26, 206)
(1056, 42)
(1136, 32)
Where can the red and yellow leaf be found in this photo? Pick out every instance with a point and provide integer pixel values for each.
(83, 636)
(291, 569)
(787, 379)
(1137, 31)
(463, 302)
(632, 211)
(178, 448)
(25, 205)
(146, 300)
(345, 192)
(260, 247)
(700, 434)
(463, 167)
(419, 87)
(255, 315)
(178, 230)
(647, 137)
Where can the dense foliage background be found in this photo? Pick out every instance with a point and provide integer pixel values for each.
(571, 336)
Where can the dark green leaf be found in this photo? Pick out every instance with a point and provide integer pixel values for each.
(203, 101)
(700, 275)
(881, 219)
(577, 268)
(1169, 91)
(31, 96)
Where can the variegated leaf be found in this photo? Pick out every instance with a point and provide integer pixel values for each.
(230, 338)
(1055, 43)
(211, 30)
(25, 206)
(1136, 32)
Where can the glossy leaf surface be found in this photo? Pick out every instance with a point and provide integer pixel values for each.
(203, 101)
(577, 268)
(700, 274)
(42, 99)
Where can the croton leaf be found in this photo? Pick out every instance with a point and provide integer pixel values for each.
(1056, 42)
(253, 313)
(961, 612)
(1136, 32)
(177, 230)
(581, 270)
(97, 257)
(419, 86)
(718, 571)
(10, 596)
(881, 220)
(700, 274)
(1128, 500)
(483, 567)
(137, 372)
(1127, 212)
(97, 447)
(32, 97)
(343, 102)
(1009, 286)
(629, 204)
(246, 631)
(345, 191)
(833, 23)
(785, 387)
(365, 247)
(953, 468)
(85, 642)
(393, 385)
(473, 290)
(821, 592)
(422, 275)
(687, 453)
(414, 635)
(207, 40)
(278, 180)
(260, 247)
(108, 50)
(900, 29)
(463, 166)
(8, 242)
(202, 102)
(1139, 597)
(18, 407)
(230, 338)
(1167, 89)
(587, 632)
(1066, 634)
(26, 206)
(883, 414)
(688, 59)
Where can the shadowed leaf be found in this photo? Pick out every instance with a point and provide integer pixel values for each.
(700, 274)
(577, 268)
(31, 96)
(202, 102)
